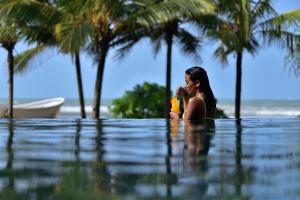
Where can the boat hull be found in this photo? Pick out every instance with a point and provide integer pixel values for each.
(48, 108)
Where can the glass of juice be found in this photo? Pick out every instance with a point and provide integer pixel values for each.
(175, 104)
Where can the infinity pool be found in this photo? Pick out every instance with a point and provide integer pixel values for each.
(255, 158)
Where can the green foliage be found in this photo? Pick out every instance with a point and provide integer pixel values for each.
(220, 113)
(144, 101)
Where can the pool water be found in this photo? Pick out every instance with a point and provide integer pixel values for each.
(256, 158)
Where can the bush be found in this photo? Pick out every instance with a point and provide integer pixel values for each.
(144, 101)
(220, 113)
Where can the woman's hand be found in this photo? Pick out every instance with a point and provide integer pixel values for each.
(181, 91)
(174, 115)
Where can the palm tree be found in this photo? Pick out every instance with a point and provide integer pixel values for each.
(9, 36)
(46, 31)
(113, 23)
(170, 30)
(109, 23)
(13, 28)
(77, 38)
(101, 18)
(238, 25)
(161, 21)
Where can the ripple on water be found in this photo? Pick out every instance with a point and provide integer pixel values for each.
(253, 158)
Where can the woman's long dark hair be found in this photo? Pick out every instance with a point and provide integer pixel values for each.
(198, 73)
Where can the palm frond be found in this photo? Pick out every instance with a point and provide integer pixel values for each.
(24, 62)
(73, 35)
(41, 34)
(128, 40)
(221, 53)
(164, 11)
(127, 45)
(9, 33)
(156, 38)
(285, 21)
(292, 60)
(263, 10)
(252, 45)
(30, 11)
(189, 44)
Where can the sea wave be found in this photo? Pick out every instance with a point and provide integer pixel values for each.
(229, 111)
(289, 113)
(76, 109)
(262, 111)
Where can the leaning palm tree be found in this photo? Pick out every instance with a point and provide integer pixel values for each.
(78, 34)
(238, 26)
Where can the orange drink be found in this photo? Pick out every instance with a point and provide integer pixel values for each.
(175, 104)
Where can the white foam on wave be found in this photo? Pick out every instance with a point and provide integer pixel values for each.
(246, 111)
(290, 113)
(262, 111)
(76, 109)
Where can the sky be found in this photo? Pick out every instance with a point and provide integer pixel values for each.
(52, 75)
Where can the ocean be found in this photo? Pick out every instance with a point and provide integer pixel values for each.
(249, 108)
(263, 108)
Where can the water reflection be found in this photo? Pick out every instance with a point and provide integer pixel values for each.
(197, 136)
(238, 158)
(10, 156)
(77, 139)
(149, 159)
(101, 172)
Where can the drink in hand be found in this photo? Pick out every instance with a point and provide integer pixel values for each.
(175, 104)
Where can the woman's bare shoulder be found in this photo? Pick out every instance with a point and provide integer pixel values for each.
(196, 101)
(195, 109)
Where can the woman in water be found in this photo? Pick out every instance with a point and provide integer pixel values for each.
(198, 99)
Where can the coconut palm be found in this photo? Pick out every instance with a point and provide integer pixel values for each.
(169, 30)
(109, 24)
(47, 32)
(239, 24)
(162, 22)
(9, 36)
(77, 38)
(114, 23)
(12, 30)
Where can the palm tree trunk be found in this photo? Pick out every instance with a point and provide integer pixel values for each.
(238, 86)
(98, 84)
(79, 84)
(10, 59)
(169, 41)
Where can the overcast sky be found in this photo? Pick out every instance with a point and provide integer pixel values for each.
(264, 76)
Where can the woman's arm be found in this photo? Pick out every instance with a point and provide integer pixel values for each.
(180, 91)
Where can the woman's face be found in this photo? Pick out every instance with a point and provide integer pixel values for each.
(190, 87)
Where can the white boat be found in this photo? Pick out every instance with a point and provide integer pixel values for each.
(48, 108)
